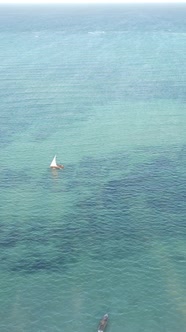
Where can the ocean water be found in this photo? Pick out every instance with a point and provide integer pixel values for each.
(103, 88)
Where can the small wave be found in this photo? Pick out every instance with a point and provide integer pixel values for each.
(97, 32)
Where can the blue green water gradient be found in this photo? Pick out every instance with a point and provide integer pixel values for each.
(103, 87)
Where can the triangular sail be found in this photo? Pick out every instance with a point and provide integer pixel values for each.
(53, 163)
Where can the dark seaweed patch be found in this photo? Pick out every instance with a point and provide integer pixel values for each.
(44, 249)
(117, 194)
(8, 241)
(9, 236)
(164, 90)
(34, 265)
(101, 223)
(12, 178)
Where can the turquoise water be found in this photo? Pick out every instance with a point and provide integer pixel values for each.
(103, 87)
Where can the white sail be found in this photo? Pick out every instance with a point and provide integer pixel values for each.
(53, 163)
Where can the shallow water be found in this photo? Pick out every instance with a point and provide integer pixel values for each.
(104, 89)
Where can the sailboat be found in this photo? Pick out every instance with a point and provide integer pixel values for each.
(55, 165)
(103, 323)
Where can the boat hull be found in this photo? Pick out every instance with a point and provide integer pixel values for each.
(57, 167)
(103, 323)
